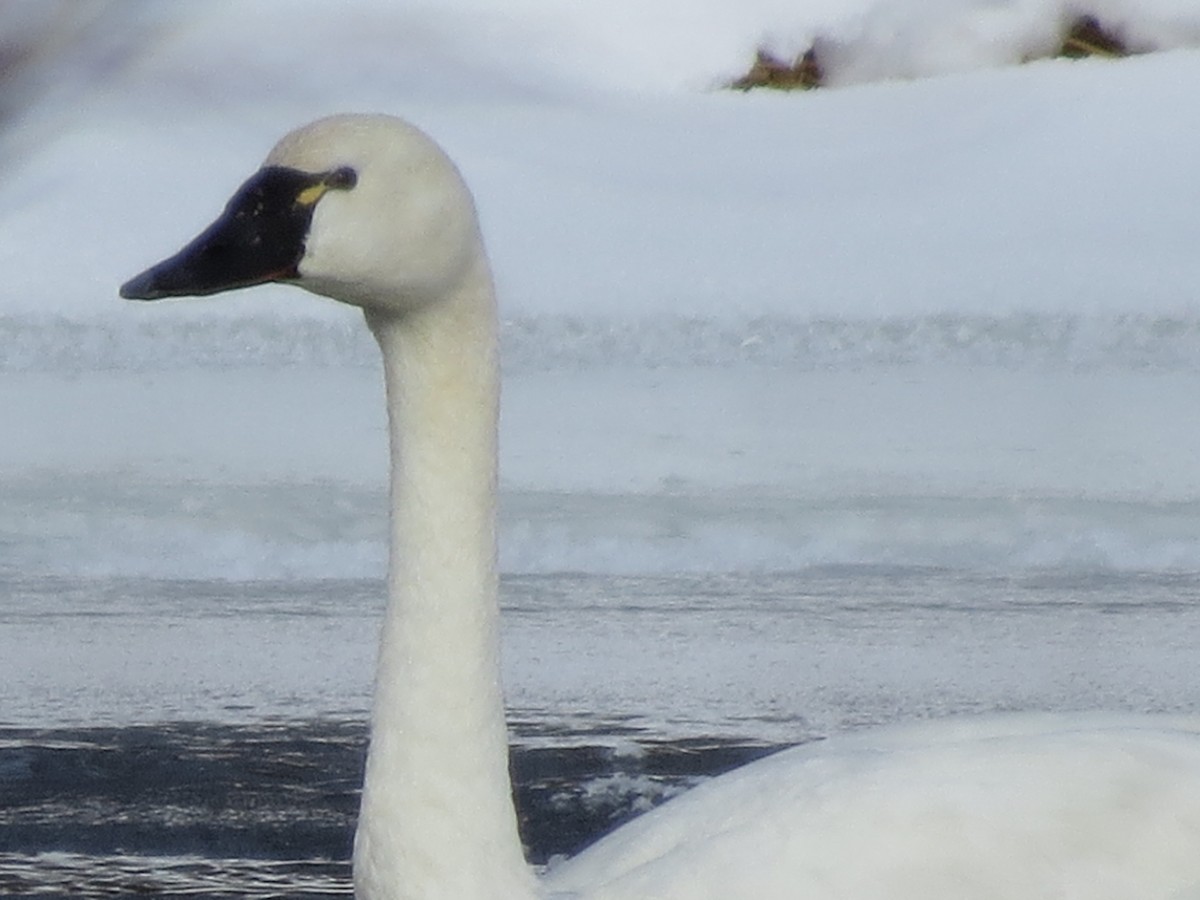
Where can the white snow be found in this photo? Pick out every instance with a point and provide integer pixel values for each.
(614, 177)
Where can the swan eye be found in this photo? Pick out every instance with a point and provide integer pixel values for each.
(341, 179)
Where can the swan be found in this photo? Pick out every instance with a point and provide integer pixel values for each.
(367, 210)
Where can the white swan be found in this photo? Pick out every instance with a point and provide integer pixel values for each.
(367, 210)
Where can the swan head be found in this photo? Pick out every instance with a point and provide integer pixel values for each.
(365, 209)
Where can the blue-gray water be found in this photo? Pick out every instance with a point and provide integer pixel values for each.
(626, 690)
(211, 810)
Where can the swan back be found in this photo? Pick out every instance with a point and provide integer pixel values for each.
(1033, 806)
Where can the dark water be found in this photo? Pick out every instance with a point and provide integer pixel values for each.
(215, 811)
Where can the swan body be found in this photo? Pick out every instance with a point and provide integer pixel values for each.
(1010, 807)
(369, 211)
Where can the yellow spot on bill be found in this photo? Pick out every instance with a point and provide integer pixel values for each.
(311, 195)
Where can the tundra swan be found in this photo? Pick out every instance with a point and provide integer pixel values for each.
(369, 211)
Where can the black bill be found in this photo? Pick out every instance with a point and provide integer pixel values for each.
(260, 237)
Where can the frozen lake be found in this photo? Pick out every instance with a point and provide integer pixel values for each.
(760, 552)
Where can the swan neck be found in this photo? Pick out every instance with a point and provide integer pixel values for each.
(437, 818)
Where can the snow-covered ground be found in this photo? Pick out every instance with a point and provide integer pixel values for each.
(614, 178)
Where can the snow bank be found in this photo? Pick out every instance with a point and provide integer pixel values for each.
(612, 182)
